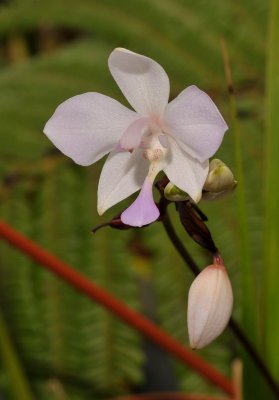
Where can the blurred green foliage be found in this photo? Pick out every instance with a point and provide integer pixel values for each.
(50, 51)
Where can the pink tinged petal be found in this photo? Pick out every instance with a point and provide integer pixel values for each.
(187, 173)
(143, 82)
(194, 119)
(163, 139)
(131, 138)
(143, 210)
(122, 175)
(87, 126)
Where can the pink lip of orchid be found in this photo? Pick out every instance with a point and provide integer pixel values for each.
(176, 137)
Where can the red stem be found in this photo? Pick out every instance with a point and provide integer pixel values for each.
(130, 317)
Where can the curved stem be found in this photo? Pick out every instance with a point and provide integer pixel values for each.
(178, 244)
(233, 325)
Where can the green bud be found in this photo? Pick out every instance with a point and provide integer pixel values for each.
(173, 193)
(209, 196)
(220, 178)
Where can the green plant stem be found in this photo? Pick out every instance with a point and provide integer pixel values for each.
(248, 298)
(233, 325)
(271, 231)
(248, 285)
(19, 384)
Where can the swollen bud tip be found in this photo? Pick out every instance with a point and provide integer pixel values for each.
(210, 304)
(219, 182)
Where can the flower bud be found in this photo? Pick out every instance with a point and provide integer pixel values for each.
(210, 304)
(173, 193)
(220, 178)
(210, 196)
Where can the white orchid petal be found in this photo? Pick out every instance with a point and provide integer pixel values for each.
(143, 81)
(194, 119)
(209, 305)
(87, 126)
(187, 173)
(122, 175)
(132, 136)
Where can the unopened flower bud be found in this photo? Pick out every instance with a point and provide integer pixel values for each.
(220, 178)
(173, 193)
(210, 304)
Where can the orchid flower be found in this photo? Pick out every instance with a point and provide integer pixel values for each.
(177, 137)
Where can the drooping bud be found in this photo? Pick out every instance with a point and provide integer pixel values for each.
(210, 304)
(192, 220)
(173, 193)
(219, 181)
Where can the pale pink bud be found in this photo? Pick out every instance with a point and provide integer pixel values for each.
(210, 304)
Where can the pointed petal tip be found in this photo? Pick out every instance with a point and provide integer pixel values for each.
(197, 196)
(101, 209)
(142, 80)
(122, 49)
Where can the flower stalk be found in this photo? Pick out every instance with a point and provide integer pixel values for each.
(233, 325)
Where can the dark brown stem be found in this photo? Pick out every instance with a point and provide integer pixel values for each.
(178, 244)
(233, 325)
